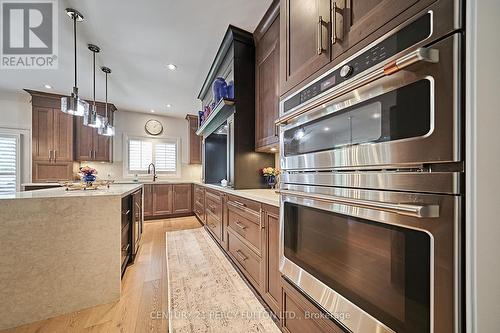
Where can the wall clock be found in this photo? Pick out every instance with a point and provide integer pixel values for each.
(153, 127)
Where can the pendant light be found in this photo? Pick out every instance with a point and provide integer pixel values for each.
(107, 129)
(92, 118)
(74, 105)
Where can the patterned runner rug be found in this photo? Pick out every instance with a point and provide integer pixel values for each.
(206, 294)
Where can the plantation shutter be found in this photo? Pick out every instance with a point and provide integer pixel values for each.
(8, 164)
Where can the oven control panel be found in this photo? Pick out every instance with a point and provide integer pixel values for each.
(413, 33)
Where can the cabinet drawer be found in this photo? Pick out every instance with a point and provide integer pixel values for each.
(248, 228)
(245, 258)
(198, 210)
(214, 225)
(244, 204)
(213, 204)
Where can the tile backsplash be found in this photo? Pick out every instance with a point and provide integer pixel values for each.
(189, 172)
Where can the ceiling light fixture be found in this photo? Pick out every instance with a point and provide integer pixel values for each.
(172, 67)
(273, 149)
(92, 118)
(153, 111)
(73, 104)
(48, 86)
(169, 106)
(107, 129)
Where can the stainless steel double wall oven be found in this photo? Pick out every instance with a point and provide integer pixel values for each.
(371, 190)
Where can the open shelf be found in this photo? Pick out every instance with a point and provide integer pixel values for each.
(222, 111)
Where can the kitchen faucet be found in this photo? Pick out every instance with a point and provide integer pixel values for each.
(154, 171)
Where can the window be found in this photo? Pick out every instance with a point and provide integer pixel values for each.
(9, 160)
(142, 152)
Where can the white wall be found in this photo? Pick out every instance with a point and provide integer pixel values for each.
(15, 115)
(132, 124)
(483, 166)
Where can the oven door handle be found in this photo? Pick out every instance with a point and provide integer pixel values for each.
(420, 54)
(421, 211)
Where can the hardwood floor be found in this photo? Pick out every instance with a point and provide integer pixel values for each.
(144, 292)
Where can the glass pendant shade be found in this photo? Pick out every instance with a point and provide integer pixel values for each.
(74, 105)
(92, 118)
(107, 129)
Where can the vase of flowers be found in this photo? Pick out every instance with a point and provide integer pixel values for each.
(88, 175)
(270, 174)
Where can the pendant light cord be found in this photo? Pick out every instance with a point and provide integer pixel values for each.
(107, 97)
(74, 38)
(94, 77)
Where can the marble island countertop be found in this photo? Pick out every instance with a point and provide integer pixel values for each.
(266, 196)
(116, 189)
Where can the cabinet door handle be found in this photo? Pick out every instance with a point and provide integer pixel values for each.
(320, 35)
(50, 155)
(334, 22)
(240, 225)
(241, 255)
(55, 155)
(90, 154)
(240, 203)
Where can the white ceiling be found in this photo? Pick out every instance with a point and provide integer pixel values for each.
(138, 39)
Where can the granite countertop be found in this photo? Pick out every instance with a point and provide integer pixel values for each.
(266, 196)
(60, 192)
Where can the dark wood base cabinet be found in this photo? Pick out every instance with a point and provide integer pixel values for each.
(167, 200)
(248, 232)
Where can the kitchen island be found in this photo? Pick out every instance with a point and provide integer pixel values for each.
(61, 251)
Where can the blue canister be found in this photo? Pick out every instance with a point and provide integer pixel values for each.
(230, 90)
(219, 89)
(201, 117)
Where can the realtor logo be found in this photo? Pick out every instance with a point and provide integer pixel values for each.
(29, 34)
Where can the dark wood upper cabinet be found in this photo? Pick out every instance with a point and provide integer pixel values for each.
(316, 35)
(43, 129)
(89, 145)
(52, 139)
(63, 136)
(84, 141)
(267, 77)
(182, 198)
(194, 140)
(305, 46)
(355, 20)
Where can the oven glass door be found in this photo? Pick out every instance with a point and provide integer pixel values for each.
(382, 269)
(403, 113)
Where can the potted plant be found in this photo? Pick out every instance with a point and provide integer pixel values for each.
(88, 175)
(270, 174)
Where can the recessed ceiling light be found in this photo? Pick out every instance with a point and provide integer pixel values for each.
(273, 149)
(326, 129)
(169, 105)
(152, 110)
(48, 86)
(172, 67)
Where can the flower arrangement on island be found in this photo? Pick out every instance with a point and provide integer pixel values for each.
(88, 174)
(270, 175)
